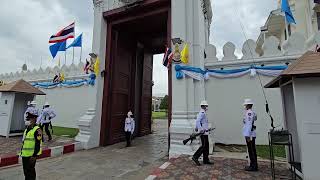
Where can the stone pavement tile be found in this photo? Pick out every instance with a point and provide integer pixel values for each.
(111, 162)
(12, 145)
(223, 168)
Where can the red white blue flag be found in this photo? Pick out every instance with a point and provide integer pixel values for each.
(64, 34)
(167, 58)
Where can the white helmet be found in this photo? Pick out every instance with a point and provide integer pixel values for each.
(33, 103)
(130, 113)
(204, 103)
(46, 104)
(248, 101)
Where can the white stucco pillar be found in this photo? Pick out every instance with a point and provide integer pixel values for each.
(189, 25)
(303, 18)
(89, 124)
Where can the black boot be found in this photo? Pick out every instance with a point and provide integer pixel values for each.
(196, 161)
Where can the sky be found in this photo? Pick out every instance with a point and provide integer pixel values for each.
(25, 27)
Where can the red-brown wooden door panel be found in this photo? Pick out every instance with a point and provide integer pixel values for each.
(120, 86)
(146, 98)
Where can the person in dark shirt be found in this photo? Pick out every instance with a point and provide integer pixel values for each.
(31, 145)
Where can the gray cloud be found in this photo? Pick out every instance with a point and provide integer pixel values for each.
(26, 28)
(27, 25)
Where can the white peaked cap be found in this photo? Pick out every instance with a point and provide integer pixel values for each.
(248, 101)
(46, 104)
(204, 103)
(130, 113)
(33, 103)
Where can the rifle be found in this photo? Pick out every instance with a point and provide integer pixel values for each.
(193, 136)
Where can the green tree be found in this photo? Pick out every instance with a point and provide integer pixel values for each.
(164, 102)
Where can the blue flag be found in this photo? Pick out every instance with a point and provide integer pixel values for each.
(60, 46)
(287, 11)
(77, 42)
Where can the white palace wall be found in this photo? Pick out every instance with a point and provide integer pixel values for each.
(69, 103)
(225, 95)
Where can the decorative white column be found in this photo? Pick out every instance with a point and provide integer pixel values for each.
(188, 23)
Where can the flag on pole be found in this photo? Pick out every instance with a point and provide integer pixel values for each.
(185, 54)
(77, 42)
(287, 12)
(167, 58)
(60, 46)
(64, 34)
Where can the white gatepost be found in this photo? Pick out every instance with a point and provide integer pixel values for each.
(190, 25)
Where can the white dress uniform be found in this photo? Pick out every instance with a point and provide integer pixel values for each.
(46, 115)
(249, 117)
(129, 125)
(202, 123)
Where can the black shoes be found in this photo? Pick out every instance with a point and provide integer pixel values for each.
(250, 168)
(196, 161)
(208, 162)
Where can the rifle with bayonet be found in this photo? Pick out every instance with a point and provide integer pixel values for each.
(193, 136)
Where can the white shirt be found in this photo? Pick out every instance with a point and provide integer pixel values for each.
(46, 115)
(129, 125)
(202, 121)
(249, 117)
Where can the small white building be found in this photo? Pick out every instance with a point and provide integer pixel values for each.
(300, 89)
(13, 103)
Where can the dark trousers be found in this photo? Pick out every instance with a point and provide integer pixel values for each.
(203, 149)
(29, 168)
(128, 138)
(46, 127)
(252, 152)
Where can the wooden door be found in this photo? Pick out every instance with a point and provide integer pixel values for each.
(146, 97)
(120, 90)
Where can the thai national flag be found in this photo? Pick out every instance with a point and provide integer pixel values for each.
(64, 34)
(167, 58)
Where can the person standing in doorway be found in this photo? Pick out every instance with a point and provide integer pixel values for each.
(31, 145)
(202, 125)
(129, 128)
(45, 119)
(249, 132)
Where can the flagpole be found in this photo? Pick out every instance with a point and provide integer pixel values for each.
(65, 57)
(81, 53)
(285, 23)
(73, 55)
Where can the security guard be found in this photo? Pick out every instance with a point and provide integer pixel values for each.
(202, 125)
(129, 127)
(31, 145)
(46, 116)
(250, 134)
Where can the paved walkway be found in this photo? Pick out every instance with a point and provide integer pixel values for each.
(12, 145)
(223, 169)
(112, 162)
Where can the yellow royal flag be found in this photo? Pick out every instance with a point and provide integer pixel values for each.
(62, 76)
(96, 66)
(185, 54)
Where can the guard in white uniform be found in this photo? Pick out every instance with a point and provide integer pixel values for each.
(202, 125)
(249, 132)
(46, 116)
(31, 108)
(129, 127)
